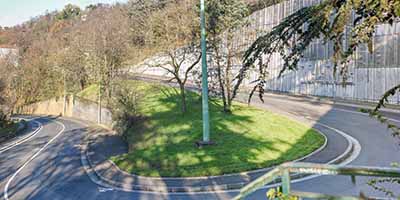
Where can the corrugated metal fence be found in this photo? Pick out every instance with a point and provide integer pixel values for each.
(370, 75)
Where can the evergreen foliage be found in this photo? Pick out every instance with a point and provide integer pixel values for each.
(328, 20)
(224, 17)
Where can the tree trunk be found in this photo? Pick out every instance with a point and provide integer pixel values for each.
(82, 83)
(221, 80)
(228, 81)
(183, 97)
(112, 76)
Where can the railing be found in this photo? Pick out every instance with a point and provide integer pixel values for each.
(284, 171)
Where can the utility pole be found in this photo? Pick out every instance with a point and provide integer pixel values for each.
(206, 120)
(65, 93)
(99, 105)
(100, 82)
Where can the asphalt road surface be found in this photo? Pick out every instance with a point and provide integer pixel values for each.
(47, 165)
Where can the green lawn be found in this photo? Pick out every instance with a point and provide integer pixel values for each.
(247, 139)
(90, 93)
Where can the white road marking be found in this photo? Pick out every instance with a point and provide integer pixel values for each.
(24, 139)
(355, 154)
(357, 149)
(103, 189)
(32, 158)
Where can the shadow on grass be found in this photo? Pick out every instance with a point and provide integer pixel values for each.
(165, 144)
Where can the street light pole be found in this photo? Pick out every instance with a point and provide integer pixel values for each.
(65, 93)
(206, 120)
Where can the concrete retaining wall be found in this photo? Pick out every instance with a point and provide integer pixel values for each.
(74, 107)
(88, 110)
(50, 107)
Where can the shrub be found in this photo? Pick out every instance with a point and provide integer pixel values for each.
(277, 194)
(3, 119)
(125, 107)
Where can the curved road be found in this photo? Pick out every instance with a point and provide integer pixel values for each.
(48, 165)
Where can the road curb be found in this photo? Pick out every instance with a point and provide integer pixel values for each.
(350, 154)
(100, 179)
(245, 173)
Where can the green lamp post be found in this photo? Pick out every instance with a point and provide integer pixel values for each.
(206, 120)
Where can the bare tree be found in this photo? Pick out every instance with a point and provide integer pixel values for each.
(106, 39)
(9, 84)
(178, 63)
(174, 35)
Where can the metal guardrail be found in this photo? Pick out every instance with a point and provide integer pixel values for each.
(284, 171)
